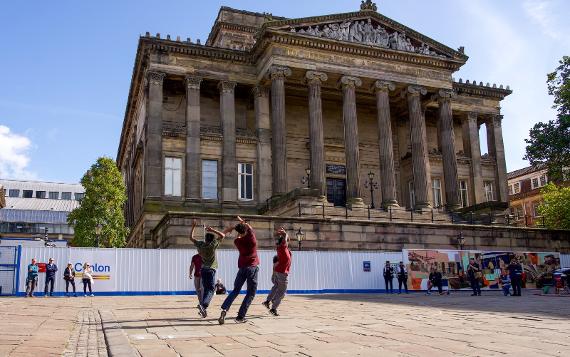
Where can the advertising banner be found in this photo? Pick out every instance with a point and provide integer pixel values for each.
(102, 262)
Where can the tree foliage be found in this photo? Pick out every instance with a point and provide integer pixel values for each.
(103, 204)
(549, 143)
(556, 206)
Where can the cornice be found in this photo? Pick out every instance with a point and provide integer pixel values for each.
(481, 90)
(196, 50)
(228, 26)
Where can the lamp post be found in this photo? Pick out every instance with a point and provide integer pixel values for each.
(98, 229)
(460, 240)
(300, 236)
(307, 178)
(372, 185)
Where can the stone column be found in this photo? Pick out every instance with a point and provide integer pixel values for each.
(229, 164)
(351, 146)
(447, 137)
(278, 129)
(420, 159)
(263, 128)
(385, 145)
(475, 151)
(501, 167)
(192, 181)
(153, 171)
(317, 139)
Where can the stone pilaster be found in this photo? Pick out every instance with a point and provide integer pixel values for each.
(153, 166)
(385, 145)
(420, 159)
(193, 169)
(317, 140)
(475, 152)
(501, 167)
(263, 129)
(229, 164)
(277, 75)
(447, 137)
(351, 146)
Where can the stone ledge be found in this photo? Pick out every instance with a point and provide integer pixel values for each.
(118, 344)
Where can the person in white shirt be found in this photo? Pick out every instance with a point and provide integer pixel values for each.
(87, 279)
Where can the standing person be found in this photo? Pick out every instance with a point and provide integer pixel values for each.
(32, 278)
(196, 266)
(436, 279)
(402, 278)
(516, 273)
(506, 283)
(69, 277)
(207, 250)
(87, 279)
(474, 274)
(248, 262)
(280, 273)
(388, 276)
(51, 269)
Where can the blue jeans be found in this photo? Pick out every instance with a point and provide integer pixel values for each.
(248, 274)
(208, 278)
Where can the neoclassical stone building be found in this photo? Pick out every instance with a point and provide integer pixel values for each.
(236, 123)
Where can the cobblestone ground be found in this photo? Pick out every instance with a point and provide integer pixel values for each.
(319, 325)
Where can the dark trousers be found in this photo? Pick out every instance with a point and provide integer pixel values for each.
(402, 281)
(439, 285)
(248, 274)
(516, 282)
(476, 286)
(87, 283)
(49, 280)
(388, 281)
(67, 282)
(30, 286)
(208, 286)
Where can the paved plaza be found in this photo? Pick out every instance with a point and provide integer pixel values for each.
(310, 325)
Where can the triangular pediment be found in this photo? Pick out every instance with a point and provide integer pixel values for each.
(367, 28)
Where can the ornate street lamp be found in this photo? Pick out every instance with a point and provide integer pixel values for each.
(98, 229)
(300, 237)
(307, 178)
(372, 185)
(460, 240)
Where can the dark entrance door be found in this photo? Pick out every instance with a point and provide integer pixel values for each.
(336, 191)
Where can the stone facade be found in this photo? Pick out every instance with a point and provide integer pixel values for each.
(342, 95)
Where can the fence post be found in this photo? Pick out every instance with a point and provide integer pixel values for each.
(299, 209)
(508, 219)
(346, 211)
(543, 222)
(390, 209)
(471, 219)
(368, 212)
(490, 218)
(452, 218)
(412, 214)
(323, 210)
(432, 215)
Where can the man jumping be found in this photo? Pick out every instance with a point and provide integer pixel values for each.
(280, 274)
(248, 262)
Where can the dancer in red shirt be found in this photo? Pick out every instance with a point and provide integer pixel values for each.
(280, 273)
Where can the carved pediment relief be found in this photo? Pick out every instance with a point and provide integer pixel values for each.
(367, 32)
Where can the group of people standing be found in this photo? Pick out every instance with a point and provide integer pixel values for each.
(51, 270)
(511, 276)
(248, 269)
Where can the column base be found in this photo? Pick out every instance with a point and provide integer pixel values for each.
(390, 204)
(355, 203)
(454, 207)
(423, 206)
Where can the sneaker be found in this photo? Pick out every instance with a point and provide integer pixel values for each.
(266, 304)
(74, 295)
(273, 312)
(202, 312)
(240, 320)
(85, 295)
(222, 318)
(92, 295)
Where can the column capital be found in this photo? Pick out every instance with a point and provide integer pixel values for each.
(193, 82)
(226, 86)
(155, 78)
(414, 90)
(349, 82)
(383, 86)
(315, 78)
(497, 120)
(472, 116)
(445, 95)
(260, 91)
(276, 72)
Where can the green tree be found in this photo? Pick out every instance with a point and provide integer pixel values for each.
(549, 143)
(103, 204)
(556, 206)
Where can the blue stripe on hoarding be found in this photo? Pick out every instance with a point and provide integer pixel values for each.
(18, 259)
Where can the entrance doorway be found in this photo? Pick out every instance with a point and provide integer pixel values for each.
(336, 191)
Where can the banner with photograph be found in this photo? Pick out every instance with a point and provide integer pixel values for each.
(537, 267)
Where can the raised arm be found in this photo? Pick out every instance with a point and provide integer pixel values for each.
(243, 221)
(221, 235)
(194, 224)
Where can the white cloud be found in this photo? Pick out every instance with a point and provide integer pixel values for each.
(14, 155)
(542, 13)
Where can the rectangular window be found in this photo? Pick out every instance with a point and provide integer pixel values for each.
(543, 180)
(66, 195)
(173, 176)
(519, 214)
(245, 181)
(54, 195)
(534, 183)
(436, 189)
(517, 187)
(28, 194)
(412, 194)
(210, 179)
(511, 191)
(535, 212)
(79, 196)
(13, 193)
(463, 193)
(40, 194)
(489, 194)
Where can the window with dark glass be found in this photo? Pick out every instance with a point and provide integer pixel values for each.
(79, 196)
(66, 195)
(13, 193)
(54, 195)
(28, 193)
(40, 194)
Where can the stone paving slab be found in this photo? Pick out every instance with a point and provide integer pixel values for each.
(309, 325)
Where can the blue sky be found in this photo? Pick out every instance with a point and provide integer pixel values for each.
(66, 65)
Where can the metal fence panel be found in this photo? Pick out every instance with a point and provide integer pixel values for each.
(565, 260)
